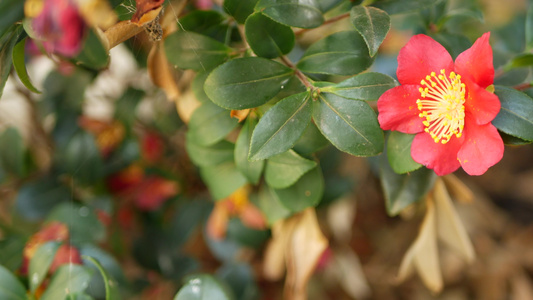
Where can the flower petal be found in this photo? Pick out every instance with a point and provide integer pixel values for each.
(482, 105)
(482, 148)
(441, 158)
(398, 110)
(421, 56)
(476, 62)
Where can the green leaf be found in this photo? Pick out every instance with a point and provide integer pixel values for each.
(126, 106)
(516, 114)
(198, 86)
(111, 286)
(350, 125)
(310, 141)
(306, 192)
(82, 158)
(240, 9)
(326, 5)
(240, 277)
(281, 126)
(11, 249)
(294, 13)
(68, 279)
(215, 154)
(404, 6)
(342, 53)
(10, 287)
(36, 199)
(93, 53)
(511, 140)
(222, 180)
(372, 23)
(521, 60)
(210, 124)
(204, 287)
(529, 28)
(367, 86)
(453, 42)
(246, 82)
(283, 170)
(83, 224)
(12, 152)
(11, 11)
(20, 65)
(250, 169)
(268, 38)
(399, 152)
(403, 190)
(206, 22)
(40, 264)
(189, 50)
(7, 42)
(246, 236)
(271, 206)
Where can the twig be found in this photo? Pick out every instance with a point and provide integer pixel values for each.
(303, 79)
(332, 20)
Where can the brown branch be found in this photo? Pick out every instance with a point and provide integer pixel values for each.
(523, 86)
(303, 79)
(332, 20)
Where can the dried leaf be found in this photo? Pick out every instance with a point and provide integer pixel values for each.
(186, 105)
(97, 13)
(345, 268)
(423, 254)
(450, 229)
(306, 245)
(240, 114)
(340, 217)
(161, 73)
(147, 11)
(458, 189)
(274, 261)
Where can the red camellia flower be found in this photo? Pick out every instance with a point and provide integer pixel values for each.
(61, 27)
(449, 106)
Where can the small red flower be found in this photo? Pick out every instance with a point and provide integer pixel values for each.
(61, 27)
(446, 104)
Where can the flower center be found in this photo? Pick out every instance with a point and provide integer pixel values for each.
(441, 105)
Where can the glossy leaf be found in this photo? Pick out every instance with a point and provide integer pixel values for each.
(240, 277)
(10, 287)
(40, 264)
(189, 50)
(210, 124)
(93, 53)
(222, 180)
(283, 170)
(516, 114)
(403, 190)
(11, 11)
(206, 22)
(198, 86)
(268, 38)
(240, 9)
(68, 279)
(342, 53)
(84, 225)
(82, 158)
(36, 199)
(399, 152)
(7, 42)
(12, 152)
(326, 5)
(250, 169)
(294, 13)
(453, 42)
(215, 154)
(280, 127)
(20, 66)
(521, 60)
(398, 7)
(311, 141)
(372, 23)
(349, 125)
(367, 86)
(271, 206)
(97, 285)
(111, 286)
(246, 82)
(204, 287)
(306, 192)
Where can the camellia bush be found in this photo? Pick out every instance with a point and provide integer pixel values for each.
(262, 149)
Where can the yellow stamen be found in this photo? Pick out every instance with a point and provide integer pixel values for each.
(441, 105)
